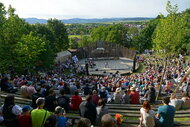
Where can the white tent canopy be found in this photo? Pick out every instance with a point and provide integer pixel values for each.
(62, 56)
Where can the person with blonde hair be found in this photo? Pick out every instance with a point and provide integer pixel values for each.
(107, 121)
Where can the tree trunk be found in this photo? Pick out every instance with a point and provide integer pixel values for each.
(160, 84)
(187, 73)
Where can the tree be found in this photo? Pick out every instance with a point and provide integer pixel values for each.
(12, 30)
(143, 40)
(166, 36)
(28, 50)
(113, 34)
(85, 40)
(73, 44)
(61, 41)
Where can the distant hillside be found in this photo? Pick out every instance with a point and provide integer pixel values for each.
(95, 20)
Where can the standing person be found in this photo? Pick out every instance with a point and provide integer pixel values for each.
(25, 119)
(166, 113)
(39, 115)
(50, 101)
(90, 110)
(101, 110)
(147, 115)
(63, 100)
(11, 112)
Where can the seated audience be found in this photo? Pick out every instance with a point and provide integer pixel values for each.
(117, 96)
(177, 103)
(63, 100)
(76, 101)
(186, 101)
(134, 96)
(95, 97)
(125, 98)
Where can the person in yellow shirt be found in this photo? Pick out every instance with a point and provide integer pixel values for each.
(39, 115)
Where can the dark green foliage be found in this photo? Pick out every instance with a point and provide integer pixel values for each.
(25, 47)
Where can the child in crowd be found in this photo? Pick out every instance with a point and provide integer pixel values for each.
(61, 119)
(25, 119)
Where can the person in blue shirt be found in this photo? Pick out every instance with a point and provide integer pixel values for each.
(61, 119)
(166, 113)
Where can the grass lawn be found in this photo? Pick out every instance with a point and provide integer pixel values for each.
(181, 119)
(141, 68)
(72, 36)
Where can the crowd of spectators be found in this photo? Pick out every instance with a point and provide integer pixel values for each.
(50, 93)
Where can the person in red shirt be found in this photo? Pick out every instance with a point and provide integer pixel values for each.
(75, 101)
(134, 96)
(95, 98)
(25, 119)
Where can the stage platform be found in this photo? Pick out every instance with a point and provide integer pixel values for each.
(107, 66)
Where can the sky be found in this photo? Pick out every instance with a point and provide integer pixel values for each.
(66, 9)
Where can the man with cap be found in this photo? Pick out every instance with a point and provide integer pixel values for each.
(39, 115)
(25, 119)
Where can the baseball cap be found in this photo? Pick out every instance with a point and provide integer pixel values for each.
(26, 108)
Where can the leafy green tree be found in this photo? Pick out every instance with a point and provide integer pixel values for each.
(12, 30)
(73, 44)
(114, 33)
(143, 40)
(85, 40)
(28, 50)
(58, 29)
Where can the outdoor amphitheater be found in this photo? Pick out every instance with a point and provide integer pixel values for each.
(107, 59)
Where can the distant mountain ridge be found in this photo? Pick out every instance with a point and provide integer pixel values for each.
(93, 20)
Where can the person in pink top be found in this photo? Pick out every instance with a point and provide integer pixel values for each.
(134, 96)
(30, 89)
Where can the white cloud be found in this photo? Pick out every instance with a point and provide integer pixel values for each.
(62, 9)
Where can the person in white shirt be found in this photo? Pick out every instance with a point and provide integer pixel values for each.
(147, 115)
